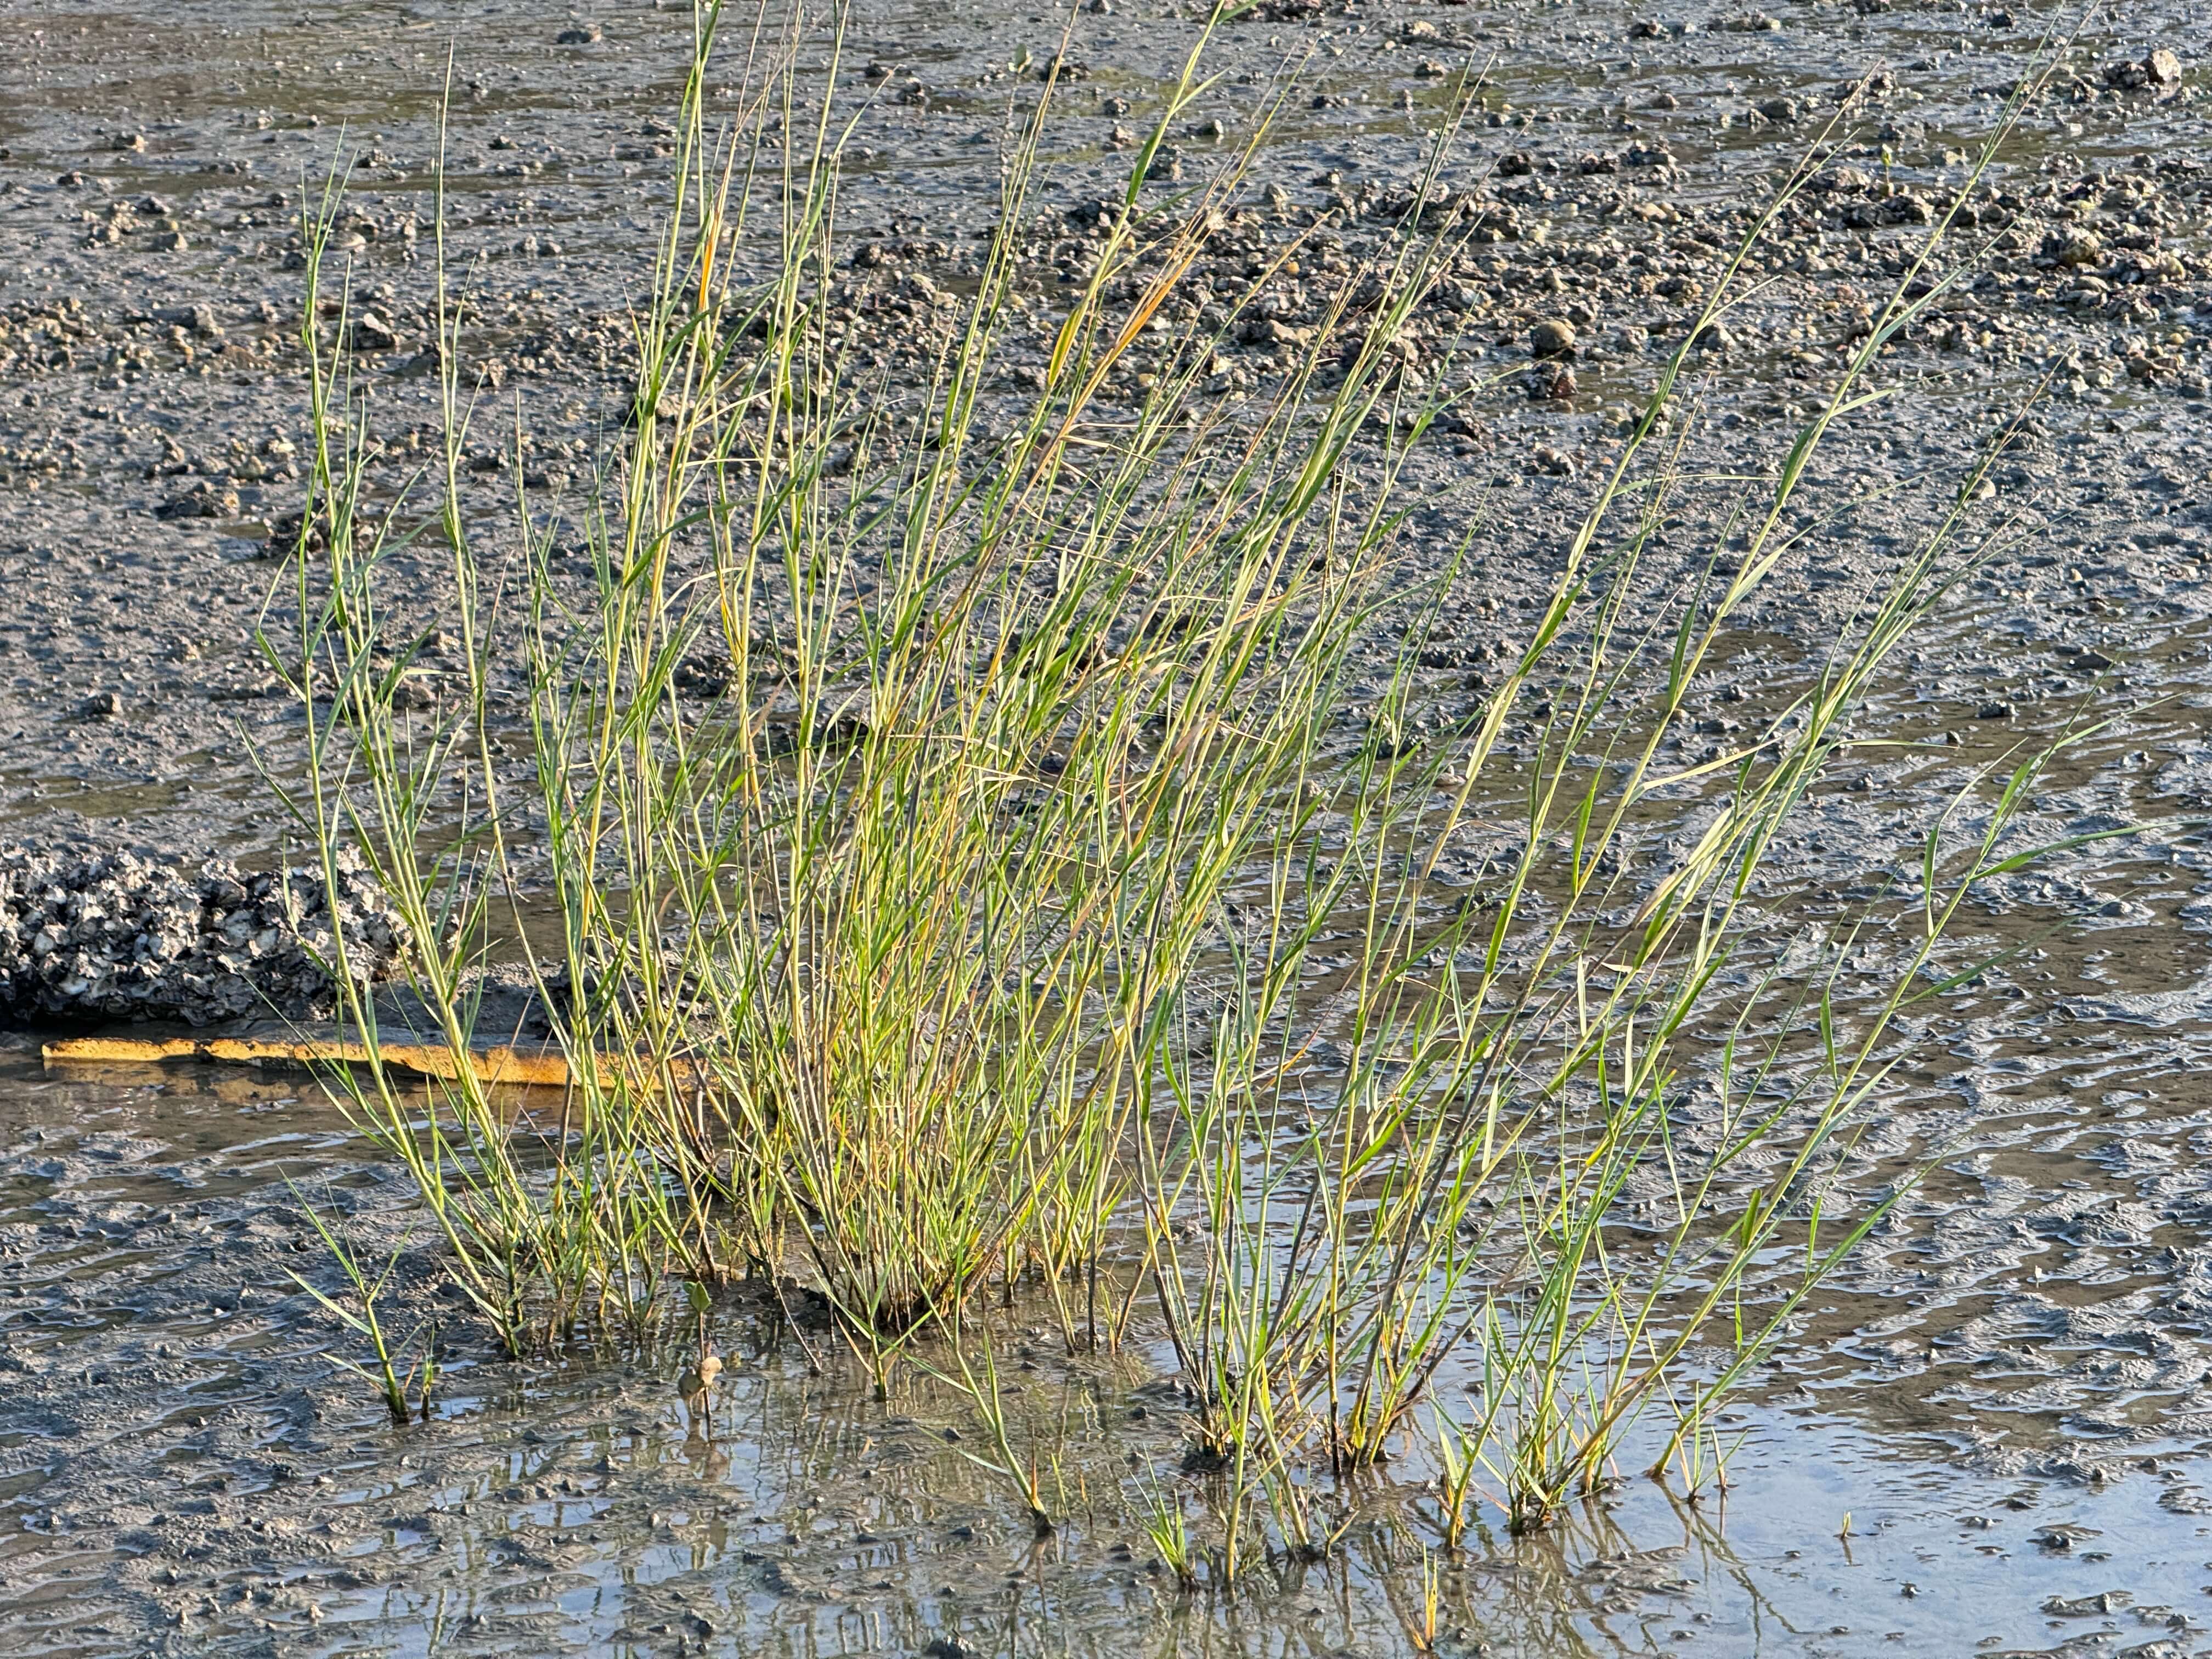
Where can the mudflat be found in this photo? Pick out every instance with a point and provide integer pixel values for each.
(1990, 1432)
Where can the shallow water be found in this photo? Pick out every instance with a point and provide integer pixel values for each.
(178, 1459)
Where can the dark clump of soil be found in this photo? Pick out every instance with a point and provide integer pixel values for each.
(110, 935)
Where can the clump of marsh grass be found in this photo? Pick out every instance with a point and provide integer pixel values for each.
(969, 939)
(986, 1394)
(877, 955)
(363, 1318)
(1168, 1529)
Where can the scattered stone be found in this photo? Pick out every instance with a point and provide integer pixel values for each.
(372, 333)
(1840, 181)
(2162, 68)
(2087, 1607)
(1552, 337)
(581, 35)
(201, 500)
(1556, 383)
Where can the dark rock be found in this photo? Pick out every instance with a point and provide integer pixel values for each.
(1556, 383)
(2162, 68)
(202, 501)
(372, 333)
(1840, 181)
(1552, 337)
(114, 935)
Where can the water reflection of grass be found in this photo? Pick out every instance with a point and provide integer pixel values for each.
(1027, 918)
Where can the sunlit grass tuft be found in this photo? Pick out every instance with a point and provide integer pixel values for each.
(1027, 915)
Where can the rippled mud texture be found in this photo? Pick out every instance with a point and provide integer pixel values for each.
(181, 1472)
(2006, 1388)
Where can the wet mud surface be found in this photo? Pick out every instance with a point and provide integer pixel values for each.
(2007, 1389)
(153, 170)
(180, 1471)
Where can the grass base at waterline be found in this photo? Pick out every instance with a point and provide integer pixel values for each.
(1024, 915)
